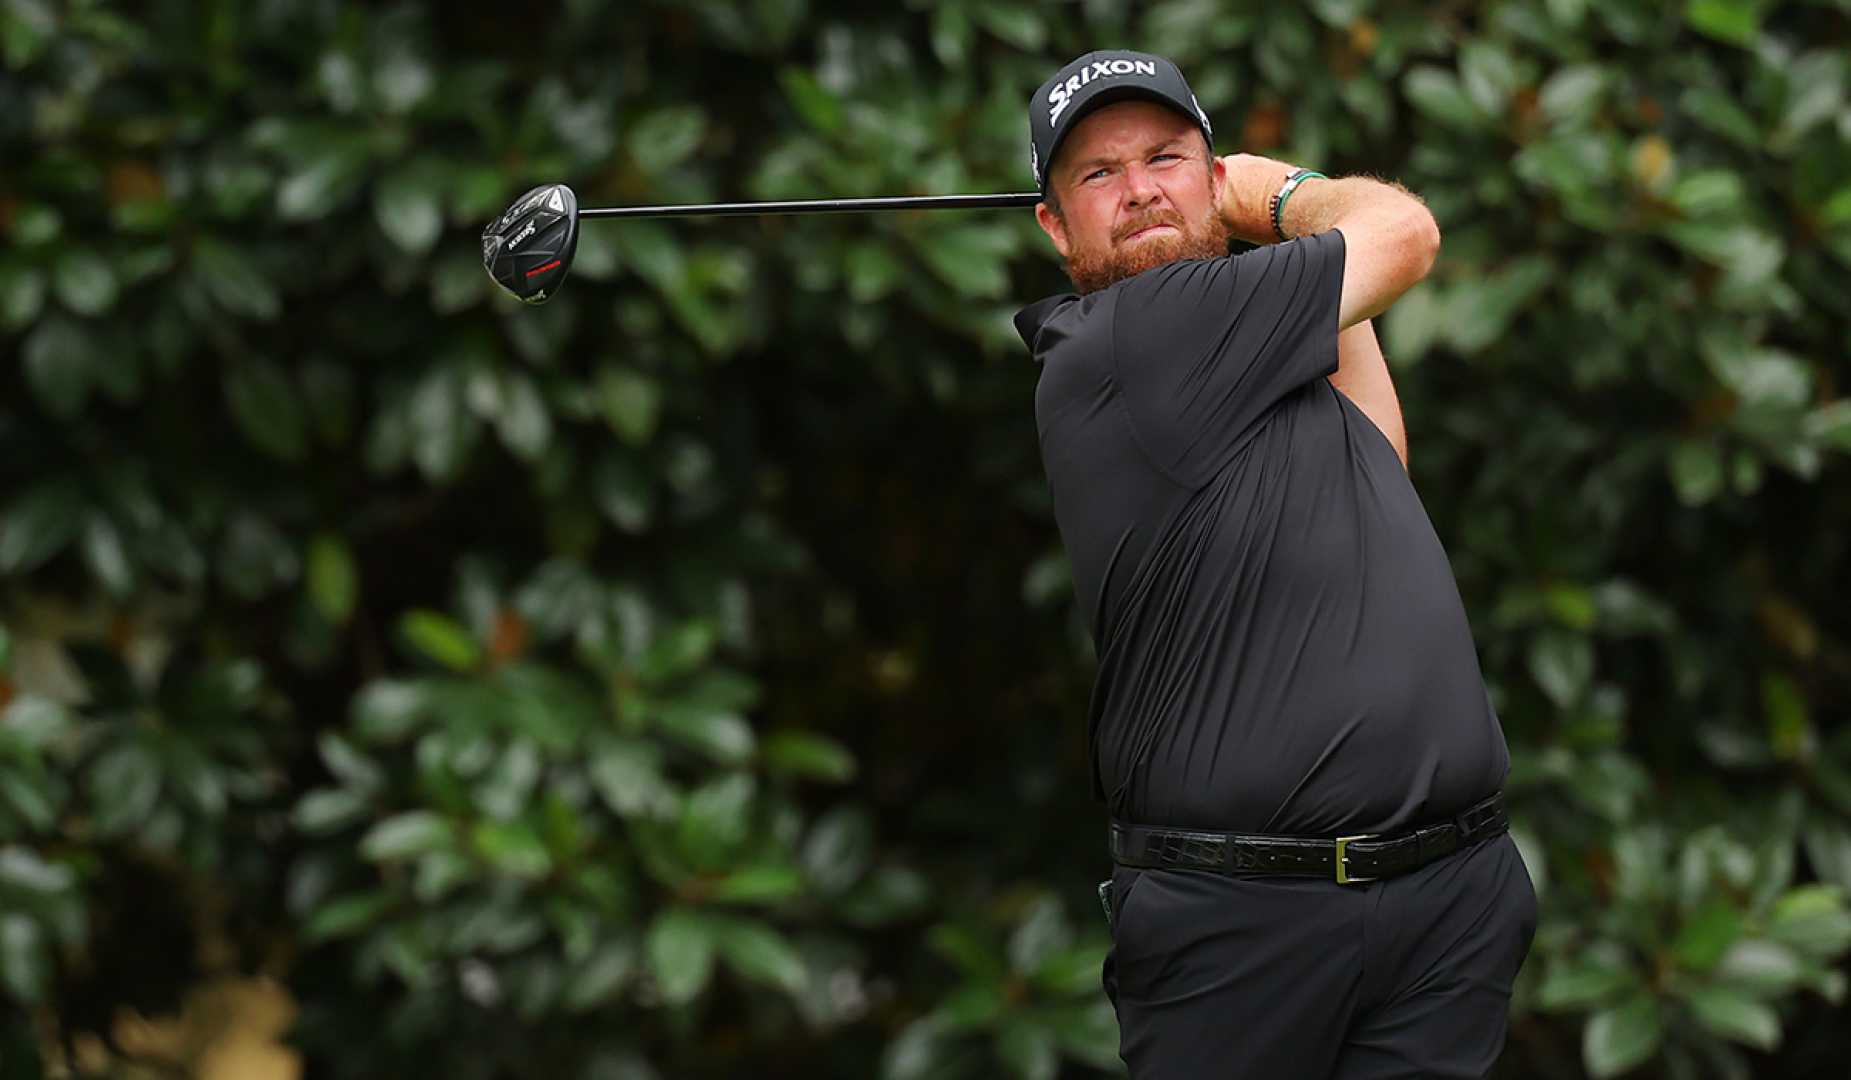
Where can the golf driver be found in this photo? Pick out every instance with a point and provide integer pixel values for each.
(529, 248)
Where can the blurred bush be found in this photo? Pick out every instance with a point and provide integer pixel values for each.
(684, 674)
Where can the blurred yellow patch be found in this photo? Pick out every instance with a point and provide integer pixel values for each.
(230, 1029)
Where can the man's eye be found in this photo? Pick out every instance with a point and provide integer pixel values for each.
(1167, 157)
(1095, 174)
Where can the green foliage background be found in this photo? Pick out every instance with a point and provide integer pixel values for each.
(681, 679)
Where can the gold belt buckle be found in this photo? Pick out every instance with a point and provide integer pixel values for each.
(1344, 877)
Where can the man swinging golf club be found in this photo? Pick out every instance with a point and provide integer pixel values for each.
(1313, 872)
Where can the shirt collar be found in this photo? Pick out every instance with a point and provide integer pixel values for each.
(1029, 321)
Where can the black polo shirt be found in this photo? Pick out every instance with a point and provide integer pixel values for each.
(1282, 647)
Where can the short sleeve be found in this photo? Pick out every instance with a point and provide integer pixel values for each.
(1204, 348)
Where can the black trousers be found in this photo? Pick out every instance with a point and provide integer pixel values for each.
(1276, 978)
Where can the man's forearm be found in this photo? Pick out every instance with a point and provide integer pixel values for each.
(1315, 205)
(1390, 239)
(1320, 204)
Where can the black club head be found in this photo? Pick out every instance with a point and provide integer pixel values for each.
(529, 248)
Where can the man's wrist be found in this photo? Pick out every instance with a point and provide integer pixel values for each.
(1276, 204)
(1252, 181)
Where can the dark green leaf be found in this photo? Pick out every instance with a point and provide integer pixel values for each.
(320, 185)
(1696, 472)
(973, 1005)
(522, 420)
(345, 916)
(1760, 967)
(1044, 932)
(1072, 972)
(237, 281)
(838, 849)
(266, 405)
(723, 736)
(387, 710)
(816, 105)
(24, 870)
(62, 359)
(628, 775)
(36, 224)
(1619, 1039)
(1702, 940)
(888, 894)
(971, 259)
(715, 819)
(31, 797)
(25, 958)
(1813, 920)
(680, 950)
(802, 753)
(601, 976)
(402, 79)
(441, 638)
(22, 296)
(1414, 324)
(761, 954)
(1480, 310)
(513, 847)
(666, 137)
(458, 281)
(333, 577)
(84, 282)
(1437, 93)
(973, 955)
(1018, 25)
(921, 1051)
(1029, 1050)
(329, 810)
(440, 429)
(441, 872)
(30, 26)
(405, 835)
(630, 402)
(1736, 1016)
(760, 885)
(1562, 663)
(1573, 93)
(107, 556)
(349, 764)
(1088, 1032)
(625, 491)
(1735, 21)
(37, 526)
(408, 205)
(30, 721)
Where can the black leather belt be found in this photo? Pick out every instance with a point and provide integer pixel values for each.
(1346, 859)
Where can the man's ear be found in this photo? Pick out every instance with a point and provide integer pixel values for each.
(1052, 224)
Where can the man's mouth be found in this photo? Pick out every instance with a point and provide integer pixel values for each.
(1150, 230)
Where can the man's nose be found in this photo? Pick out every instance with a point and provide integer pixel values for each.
(1141, 188)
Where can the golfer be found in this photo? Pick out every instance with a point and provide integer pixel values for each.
(1313, 873)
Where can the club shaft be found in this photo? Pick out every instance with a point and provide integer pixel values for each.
(820, 206)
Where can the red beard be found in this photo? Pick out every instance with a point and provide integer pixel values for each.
(1092, 270)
